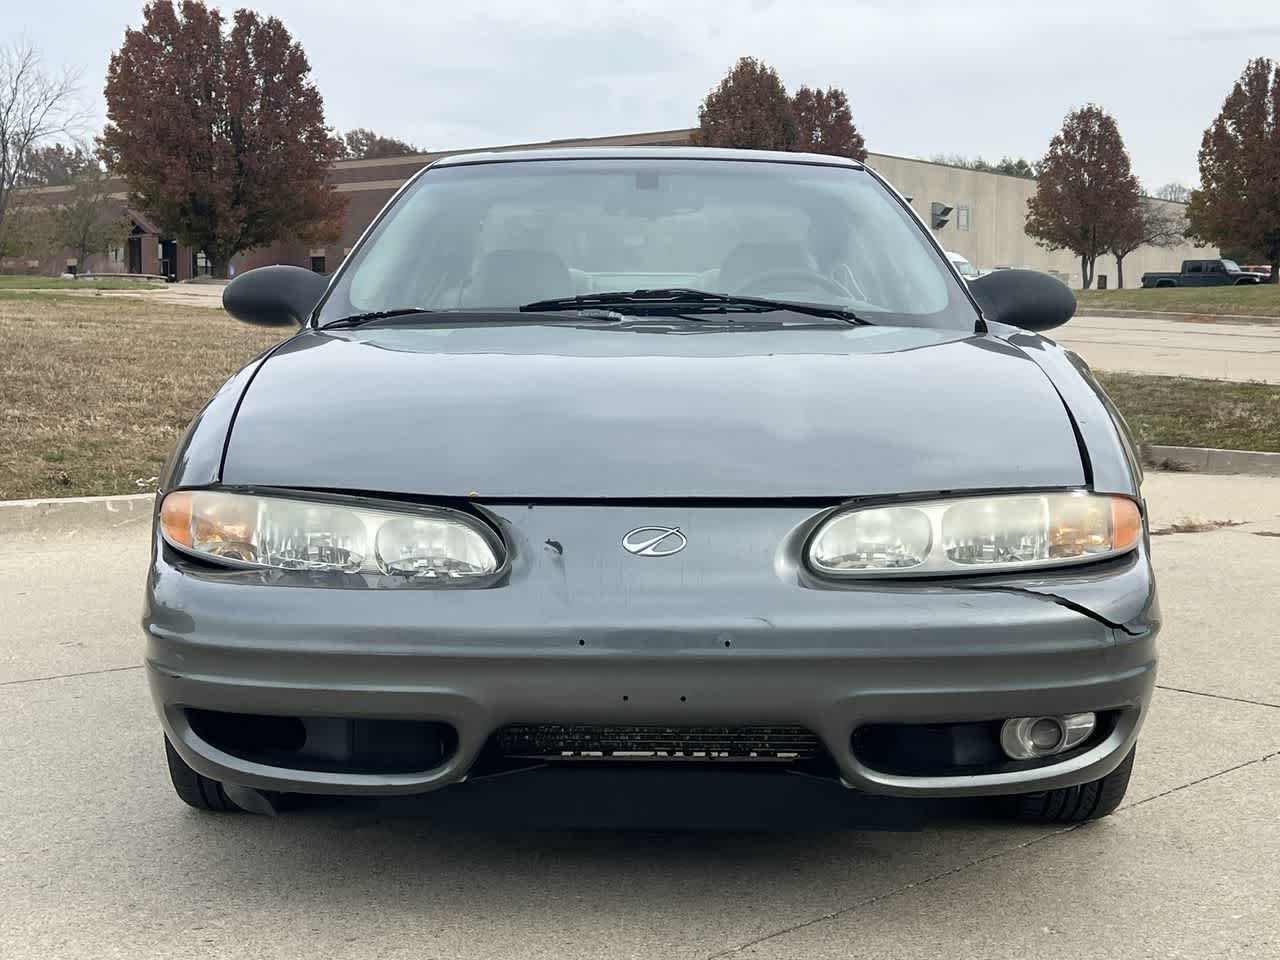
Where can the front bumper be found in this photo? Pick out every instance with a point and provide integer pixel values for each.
(564, 651)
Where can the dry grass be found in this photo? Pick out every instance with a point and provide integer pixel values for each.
(1186, 412)
(94, 392)
(20, 282)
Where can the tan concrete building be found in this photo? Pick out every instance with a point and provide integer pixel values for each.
(987, 217)
(985, 224)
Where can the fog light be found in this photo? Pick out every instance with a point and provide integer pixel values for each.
(1025, 738)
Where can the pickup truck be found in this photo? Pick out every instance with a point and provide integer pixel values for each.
(1202, 273)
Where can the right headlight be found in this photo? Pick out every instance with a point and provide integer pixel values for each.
(975, 535)
(329, 535)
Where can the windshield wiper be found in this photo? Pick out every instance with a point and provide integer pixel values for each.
(679, 300)
(452, 315)
(356, 319)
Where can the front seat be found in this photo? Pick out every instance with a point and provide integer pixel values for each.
(747, 261)
(508, 278)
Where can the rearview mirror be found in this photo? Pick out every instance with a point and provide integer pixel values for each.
(273, 296)
(1024, 298)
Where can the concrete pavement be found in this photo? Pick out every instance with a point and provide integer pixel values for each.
(1176, 348)
(99, 859)
(208, 295)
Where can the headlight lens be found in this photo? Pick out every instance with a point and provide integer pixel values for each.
(976, 535)
(244, 530)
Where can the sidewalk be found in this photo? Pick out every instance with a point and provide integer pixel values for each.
(208, 295)
(1175, 348)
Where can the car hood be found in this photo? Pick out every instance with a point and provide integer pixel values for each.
(650, 411)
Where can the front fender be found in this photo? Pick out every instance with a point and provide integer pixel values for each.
(1110, 456)
(196, 459)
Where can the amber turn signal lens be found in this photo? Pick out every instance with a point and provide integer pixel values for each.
(175, 518)
(1126, 523)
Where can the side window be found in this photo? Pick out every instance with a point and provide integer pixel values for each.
(1215, 268)
(1195, 268)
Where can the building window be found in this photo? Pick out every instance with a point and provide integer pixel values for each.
(117, 254)
(317, 264)
(199, 265)
(962, 217)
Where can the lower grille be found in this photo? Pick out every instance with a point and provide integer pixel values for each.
(549, 741)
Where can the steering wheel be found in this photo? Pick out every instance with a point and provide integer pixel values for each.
(770, 282)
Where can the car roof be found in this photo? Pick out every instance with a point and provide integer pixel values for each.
(646, 153)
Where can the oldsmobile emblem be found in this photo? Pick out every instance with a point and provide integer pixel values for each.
(654, 541)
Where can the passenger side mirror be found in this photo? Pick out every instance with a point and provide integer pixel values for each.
(1024, 298)
(274, 296)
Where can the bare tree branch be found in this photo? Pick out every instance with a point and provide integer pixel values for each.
(36, 106)
(1174, 191)
(1152, 223)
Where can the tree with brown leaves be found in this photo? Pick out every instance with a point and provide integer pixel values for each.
(824, 123)
(1086, 190)
(1238, 202)
(220, 134)
(749, 110)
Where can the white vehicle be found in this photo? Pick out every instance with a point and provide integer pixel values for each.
(965, 268)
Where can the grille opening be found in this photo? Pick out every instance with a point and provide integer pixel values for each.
(569, 743)
(943, 749)
(327, 744)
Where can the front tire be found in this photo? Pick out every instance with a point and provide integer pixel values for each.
(1088, 801)
(194, 789)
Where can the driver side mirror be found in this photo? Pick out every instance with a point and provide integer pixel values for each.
(274, 296)
(1024, 298)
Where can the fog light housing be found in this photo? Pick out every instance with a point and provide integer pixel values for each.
(1028, 738)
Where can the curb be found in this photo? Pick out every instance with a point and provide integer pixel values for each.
(1239, 318)
(1211, 460)
(70, 516)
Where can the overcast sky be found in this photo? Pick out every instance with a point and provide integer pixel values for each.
(974, 77)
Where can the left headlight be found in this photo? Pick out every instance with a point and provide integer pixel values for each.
(286, 533)
(975, 535)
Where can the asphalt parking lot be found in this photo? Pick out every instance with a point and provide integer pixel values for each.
(99, 859)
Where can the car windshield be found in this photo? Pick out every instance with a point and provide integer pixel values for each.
(965, 268)
(1231, 266)
(495, 236)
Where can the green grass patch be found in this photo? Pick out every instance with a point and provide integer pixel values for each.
(18, 282)
(1184, 412)
(1260, 300)
(52, 296)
